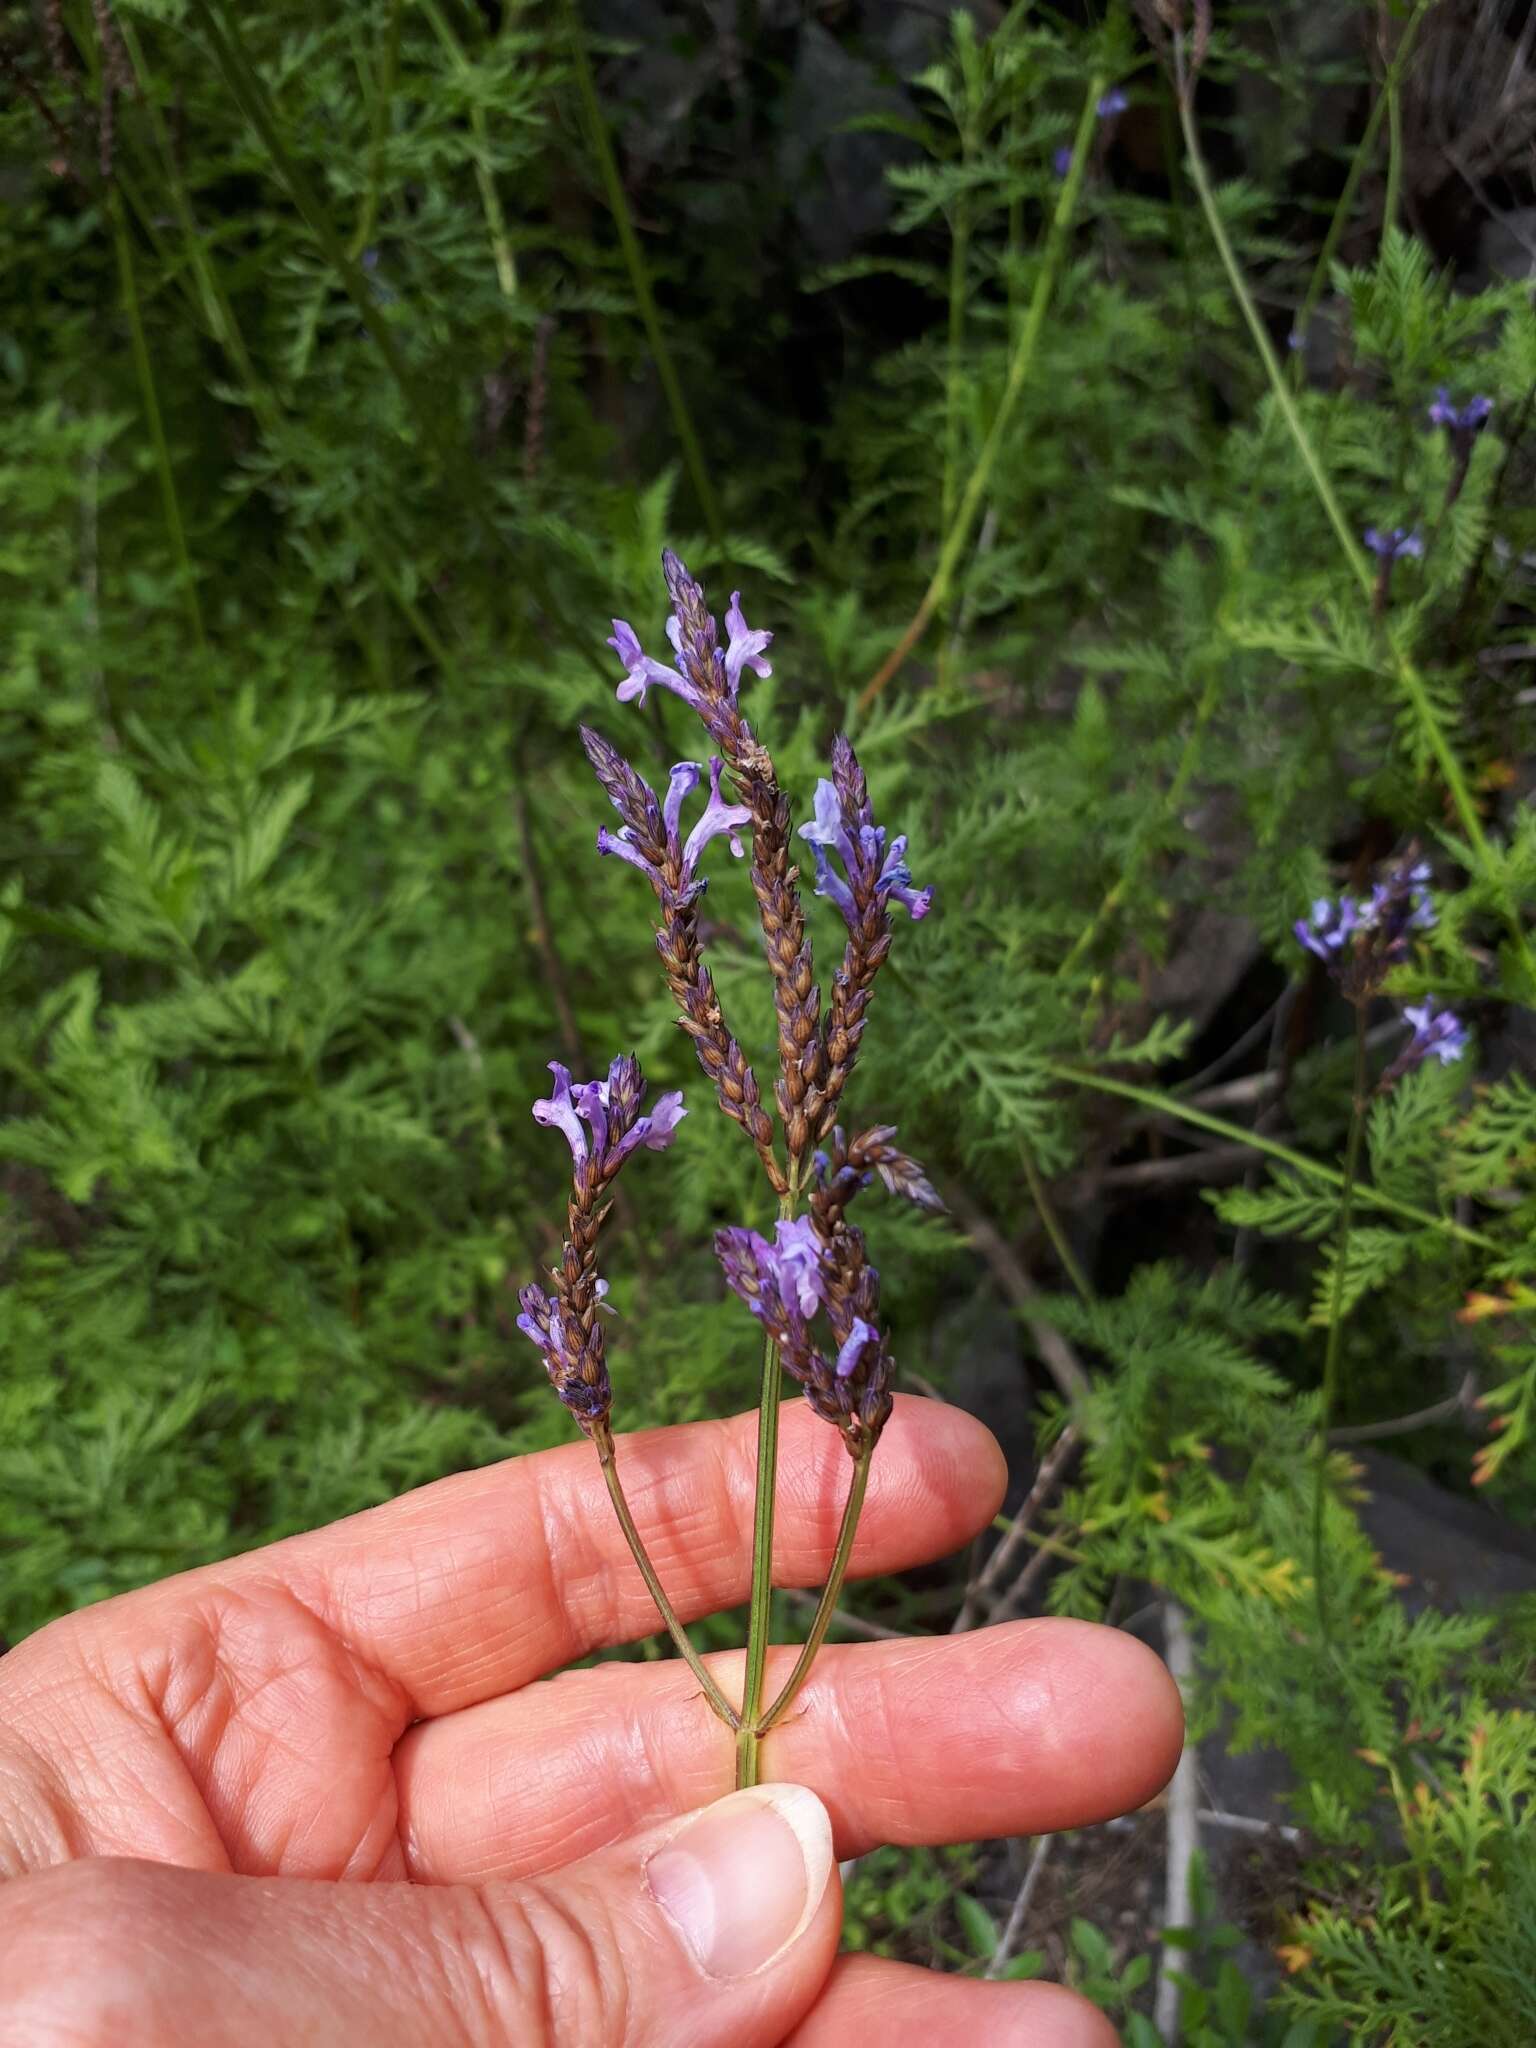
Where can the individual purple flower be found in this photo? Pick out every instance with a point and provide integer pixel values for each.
(641, 670)
(718, 819)
(744, 648)
(1061, 162)
(1399, 906)
(608, 1110)
(1462, 423)
(801, 1268)
(1329, 927)
(1437, 1035)
(558, 1111)
(860, 1336)
(1387, 547)
(721, 667)
(869, 870)
(1115, 101)
(780, 1282)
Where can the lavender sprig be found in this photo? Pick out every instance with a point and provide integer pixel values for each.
(811, 1287)
(602, 1124)
(871, 880)
(1360, 944)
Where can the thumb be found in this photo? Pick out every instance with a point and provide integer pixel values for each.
(717, 1928)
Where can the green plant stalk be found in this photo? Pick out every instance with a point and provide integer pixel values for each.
(640, 281)
(760, 1611)
(1331, 1356)
(1135, 859)
(602, 1438)
(1408, 676)
(958, 534)
(827, 1605)
(1392, 198)
(389, 67)
(490, 198)
(212, 301)
(1346, 200)
(1045, 1210)
(150, 399)
(249, 92)
(959, 254)
(1184, 1112)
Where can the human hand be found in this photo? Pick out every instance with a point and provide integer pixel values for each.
(317, 1794)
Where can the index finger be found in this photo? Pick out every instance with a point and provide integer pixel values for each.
(473, 1586)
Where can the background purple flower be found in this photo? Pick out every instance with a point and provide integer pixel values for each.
(1437, 1034)
(1387, 547)
(1460, 422)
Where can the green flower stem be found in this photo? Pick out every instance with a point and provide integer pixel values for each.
(760, 1613)
(607, 1457)
(827, 1606)
(1357, 1110)
(640, 280)
(958, 534)
(153, 419)
(225, 39)
(1412, 682)
(485, 177)
(389, 67)
(1362, 156)
(1314, 1169)
(1045, 1210)
(1135, 860)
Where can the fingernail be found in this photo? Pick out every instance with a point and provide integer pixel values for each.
(742, 1879)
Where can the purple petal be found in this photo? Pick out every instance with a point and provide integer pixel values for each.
(655, 1131)
(853, 1346)
(719, 816)
(835, 888)
(592, 1101)
(685, 778)
(623, 845)
(744, 648)
(802, 1274)
(643, 671)
(558, 1111)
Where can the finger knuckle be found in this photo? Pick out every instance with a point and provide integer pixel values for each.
(551, 1967)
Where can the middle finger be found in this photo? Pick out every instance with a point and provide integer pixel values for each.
(1017, 1730)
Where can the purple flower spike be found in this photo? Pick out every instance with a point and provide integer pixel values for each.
(642, 671)
(1113, 102)
(872, 872)
(852, 1348)
(1328, 928)
(561, 1112)
(743, 648)
(1387, 547)
(1437, 1034)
